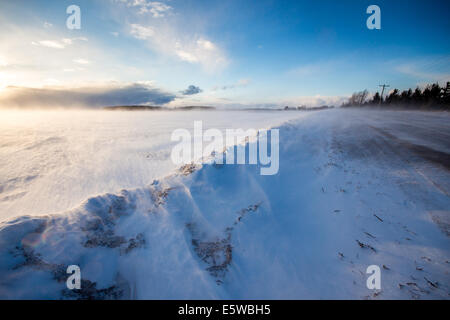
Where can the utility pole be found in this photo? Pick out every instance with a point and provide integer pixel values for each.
(382, 91)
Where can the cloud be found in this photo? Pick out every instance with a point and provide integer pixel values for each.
(191, 90)
(424, 75)
(426, 69)
(72, 40)
(56, 44)
(47, 24)
(141, 32)
(240, 83)
(29, 64)
(205, 44)
(169, 35)
(98, 96)
(192, 49)
(81, 61)
(186, 56)
(49, 44)
(155, 8)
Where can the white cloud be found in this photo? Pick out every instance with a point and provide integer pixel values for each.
(73, 69)
(186, 56)
(49, 43)
(170, 36)
(141, 32)
(56, 44)
(115, 34)
(193, 49)
(47, 24)
(155, 8)
(72, 40)
(34, 54)
(81, 61)
(205, 44)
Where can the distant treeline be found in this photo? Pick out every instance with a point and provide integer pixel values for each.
(433, 97)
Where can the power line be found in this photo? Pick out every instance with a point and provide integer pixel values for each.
(382, 91)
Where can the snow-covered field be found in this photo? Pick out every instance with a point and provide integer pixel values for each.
(355, 188)
(51, 161)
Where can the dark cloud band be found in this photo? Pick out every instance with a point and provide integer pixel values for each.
(110, 95)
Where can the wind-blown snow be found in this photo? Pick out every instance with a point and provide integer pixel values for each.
(52, 161)
(354, 188)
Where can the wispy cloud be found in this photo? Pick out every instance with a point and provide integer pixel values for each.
(431, 69)
(164, 33)
(81, 61)
(189, 48)
(49, 43)
(155, 8)
(34, 54)
(57, 44)
(240, 83)
(72, 40)
(141, 32)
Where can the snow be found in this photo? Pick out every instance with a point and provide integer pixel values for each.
(355, 188)
(51, 161)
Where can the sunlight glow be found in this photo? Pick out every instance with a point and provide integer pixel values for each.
(3, 62)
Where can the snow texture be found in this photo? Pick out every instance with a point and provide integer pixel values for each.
(355, 188)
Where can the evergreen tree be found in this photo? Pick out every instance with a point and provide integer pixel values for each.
(376, 99)
(417, 96)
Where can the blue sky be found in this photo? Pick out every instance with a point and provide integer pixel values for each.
(233, 52)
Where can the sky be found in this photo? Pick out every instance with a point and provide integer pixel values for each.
(221, 53)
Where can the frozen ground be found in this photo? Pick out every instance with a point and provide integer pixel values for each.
(354, 188)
